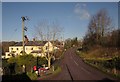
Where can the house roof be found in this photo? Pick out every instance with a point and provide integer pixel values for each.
(31, 43)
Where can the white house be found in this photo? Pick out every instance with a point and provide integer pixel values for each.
(32, 47)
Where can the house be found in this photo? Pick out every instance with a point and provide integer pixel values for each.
(32, 47)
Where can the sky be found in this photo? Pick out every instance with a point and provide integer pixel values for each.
(60, 0)
(72, 16)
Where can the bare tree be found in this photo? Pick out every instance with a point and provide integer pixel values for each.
(99, 25)
(48, 32)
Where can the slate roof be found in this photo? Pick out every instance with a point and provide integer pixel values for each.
(32, 43)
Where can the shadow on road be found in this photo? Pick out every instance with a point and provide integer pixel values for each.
(107, 80)
(18, 77)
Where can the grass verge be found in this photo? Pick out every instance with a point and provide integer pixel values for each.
(32, 76)
(54, 73)
(100, 68)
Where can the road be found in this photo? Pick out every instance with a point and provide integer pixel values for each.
(73, 68)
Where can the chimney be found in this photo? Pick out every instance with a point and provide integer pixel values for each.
(26, 39)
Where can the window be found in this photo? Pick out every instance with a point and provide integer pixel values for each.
(13, 55)
(16, 48)
(31, 48)
(39, 47)
(46, 47)
(8, 54)
(26, 48)
(11, 48)
(17, 54)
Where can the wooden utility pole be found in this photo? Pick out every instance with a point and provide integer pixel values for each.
(23, 34)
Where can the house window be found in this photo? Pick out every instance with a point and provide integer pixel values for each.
(8, 54)
(39, 47)
(31, 48)
(46, 47)
(13, 55)
(17, 54)
(11, 48)
(16, 48)
(26, 48)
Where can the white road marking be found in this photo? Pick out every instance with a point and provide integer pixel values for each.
(76, 63)
(80, 67)
(85, 70)
(74, 60)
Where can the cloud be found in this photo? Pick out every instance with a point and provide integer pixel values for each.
(81, 11)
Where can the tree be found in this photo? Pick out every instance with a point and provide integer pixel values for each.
(99, 26)
(75, 41)
(119, 38)
(68, 43)
(113, 38)
(50, 33)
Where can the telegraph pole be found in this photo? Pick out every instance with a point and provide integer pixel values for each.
(23, 33)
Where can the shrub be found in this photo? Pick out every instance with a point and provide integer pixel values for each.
(4, 63)
(116, 62)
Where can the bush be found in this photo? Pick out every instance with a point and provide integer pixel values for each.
(17, 63)
(4, 63)
(106, 63)
(113, 63)
(116, 62)
(41, 61)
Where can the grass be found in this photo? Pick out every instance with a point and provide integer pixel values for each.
(93, 56)
(32, 76)
(53, 73)
(62, 55)
(58, 70)
(102, 70)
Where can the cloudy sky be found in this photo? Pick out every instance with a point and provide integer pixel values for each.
(72, 16)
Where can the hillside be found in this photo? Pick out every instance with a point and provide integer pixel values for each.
(102, 53)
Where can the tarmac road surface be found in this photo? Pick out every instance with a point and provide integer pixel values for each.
(73, 68)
